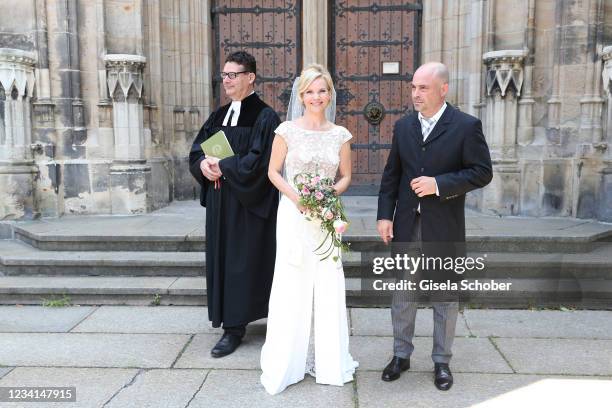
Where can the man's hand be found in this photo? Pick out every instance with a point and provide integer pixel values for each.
(385, 230)
(210, 168)
(423, 186)
(215, 165)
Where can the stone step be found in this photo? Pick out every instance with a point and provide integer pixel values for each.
(150, 243)
(596, 264)
(110, 242)
(113, 234)
(18, 259)
(90, 290)
(95, 290)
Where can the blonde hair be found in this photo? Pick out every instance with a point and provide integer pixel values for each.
(311, 73)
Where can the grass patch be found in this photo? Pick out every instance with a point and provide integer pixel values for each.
(64, 301)
(156, 300)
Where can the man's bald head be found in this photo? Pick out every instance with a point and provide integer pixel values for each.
(437, 69)
(429, 87)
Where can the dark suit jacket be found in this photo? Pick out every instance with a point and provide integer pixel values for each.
(455, 153)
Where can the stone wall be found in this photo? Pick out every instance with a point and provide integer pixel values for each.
(110, 95)
(100, 99)
(531, 70)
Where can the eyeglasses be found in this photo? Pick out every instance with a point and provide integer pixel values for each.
(232, 75)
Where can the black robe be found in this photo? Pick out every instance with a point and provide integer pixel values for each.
(240, 216)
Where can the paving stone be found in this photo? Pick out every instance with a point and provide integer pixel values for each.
(90, 349)
(41, 319)
(545, 366)
(257, 327)
(94, 386)
(147, 319)
(159, 319)
(241, 388)
(469, 354)
(4, 371)
(197, 354)
(161, 388)
(558, 356)
(556, 392)
(377, 322)
(545, 323)
(481, 390)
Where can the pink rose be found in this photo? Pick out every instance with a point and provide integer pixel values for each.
(340, 226)
(319, 195)
(329, 215)
(305, 191)
(316, 179)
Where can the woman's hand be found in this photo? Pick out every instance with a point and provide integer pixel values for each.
(301, 208)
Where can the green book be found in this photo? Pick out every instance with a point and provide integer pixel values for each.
(217, 146)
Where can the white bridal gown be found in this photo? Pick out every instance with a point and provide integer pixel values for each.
(302, 283)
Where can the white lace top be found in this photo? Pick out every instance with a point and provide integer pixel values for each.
(312, 151)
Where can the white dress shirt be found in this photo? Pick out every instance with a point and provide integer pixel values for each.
(235, 107)
(427, 125)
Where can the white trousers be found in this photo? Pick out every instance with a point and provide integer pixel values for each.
(300, 279)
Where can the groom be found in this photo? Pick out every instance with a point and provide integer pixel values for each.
(438, 154)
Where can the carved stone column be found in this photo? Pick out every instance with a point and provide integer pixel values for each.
(504, 80)
(315, 38)
(17, 170)
(130, 174)
(607, 88)
(591, 103)
(525, 130)
(605, 209)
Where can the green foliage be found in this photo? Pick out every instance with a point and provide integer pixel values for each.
(318, 196)
(156, 300)
(64, 301)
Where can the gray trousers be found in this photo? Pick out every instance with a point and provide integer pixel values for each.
(403, 314)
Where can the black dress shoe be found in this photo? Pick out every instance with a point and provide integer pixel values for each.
(227, 345)
(393, 370)
(443, 378)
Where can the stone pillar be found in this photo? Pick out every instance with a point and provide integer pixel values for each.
(525, 131)
(591, 103)
(432, 47)
(314, 33)
(607, 88)
(504, 80)
(44, 131)
(130, 174)
(17, 170)
(589, 155)
(605, 210)
(553, 117)
(477, 38)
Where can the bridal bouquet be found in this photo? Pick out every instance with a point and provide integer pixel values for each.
(322, 204)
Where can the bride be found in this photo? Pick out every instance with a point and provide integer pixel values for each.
(306, 291)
